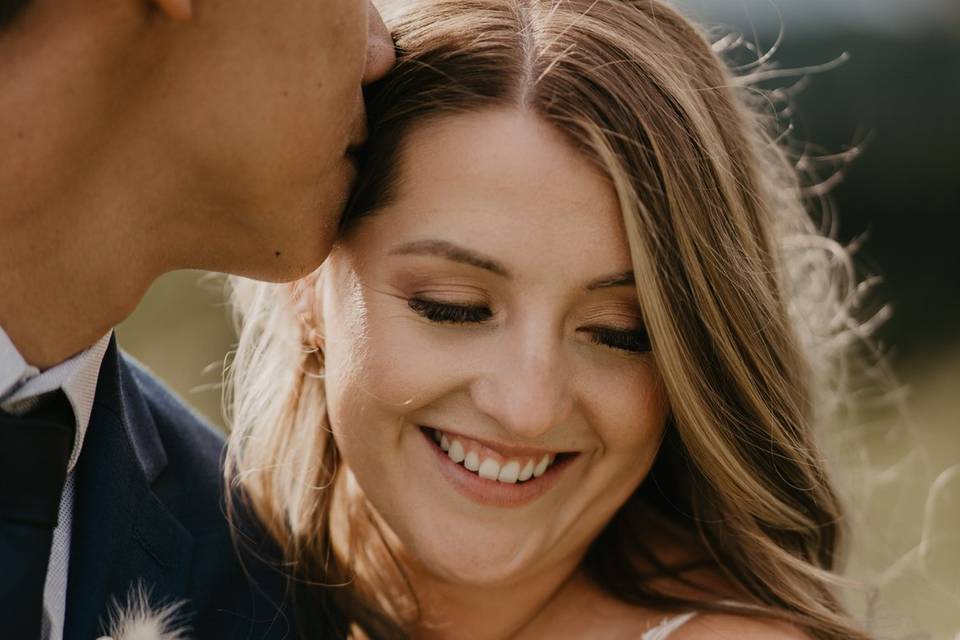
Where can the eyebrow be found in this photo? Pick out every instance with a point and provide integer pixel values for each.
(456, 253)
(618, 280)
(452, 252)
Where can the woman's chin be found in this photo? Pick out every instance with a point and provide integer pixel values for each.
(480, 557)
(488, 569)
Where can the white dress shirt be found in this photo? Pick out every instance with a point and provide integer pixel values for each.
(21, 384)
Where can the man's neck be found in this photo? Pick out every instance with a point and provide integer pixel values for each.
(78, 239)
(60, 292)
(78, 249)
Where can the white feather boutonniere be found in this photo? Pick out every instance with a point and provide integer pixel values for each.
(138, 619)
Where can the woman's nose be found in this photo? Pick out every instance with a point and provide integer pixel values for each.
(526, 388)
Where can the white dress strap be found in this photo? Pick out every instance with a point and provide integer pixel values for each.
(663, 630)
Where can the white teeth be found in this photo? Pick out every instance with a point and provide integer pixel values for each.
(489, 470)
(509, 472)
(527, 472)
(456, 452)
(472, 461)
(541, 466)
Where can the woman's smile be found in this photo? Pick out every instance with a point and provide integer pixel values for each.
(494, 474)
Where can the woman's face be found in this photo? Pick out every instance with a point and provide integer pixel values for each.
(488, 376)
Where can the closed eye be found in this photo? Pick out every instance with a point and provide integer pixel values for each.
(446, 313)
(636, 341)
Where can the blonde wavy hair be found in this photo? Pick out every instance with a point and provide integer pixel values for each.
(745, 301)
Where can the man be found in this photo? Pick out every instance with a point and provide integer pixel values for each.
(138, 137)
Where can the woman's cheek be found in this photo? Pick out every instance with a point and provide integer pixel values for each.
(404, 362)
(629, 409)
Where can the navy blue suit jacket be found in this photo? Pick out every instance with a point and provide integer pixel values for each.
(149, 509)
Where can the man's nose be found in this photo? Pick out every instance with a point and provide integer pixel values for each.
(380, 51)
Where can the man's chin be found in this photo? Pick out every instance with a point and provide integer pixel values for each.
(300, 256)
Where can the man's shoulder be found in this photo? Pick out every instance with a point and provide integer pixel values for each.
(173, 417)
(193, 447)
(191, 482)
(226, 576)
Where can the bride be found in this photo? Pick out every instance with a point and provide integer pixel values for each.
(556, 378)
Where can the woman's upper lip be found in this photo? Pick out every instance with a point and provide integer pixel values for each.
(504, 449)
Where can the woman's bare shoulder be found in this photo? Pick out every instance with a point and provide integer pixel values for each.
(622, 620)
(586, 611)
(736, 627)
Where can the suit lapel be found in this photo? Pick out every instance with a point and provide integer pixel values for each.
(122, 533)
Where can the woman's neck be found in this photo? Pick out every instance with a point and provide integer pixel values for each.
(447, 610)
(451, 611)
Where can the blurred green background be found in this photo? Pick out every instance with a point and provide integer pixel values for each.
(897, 97)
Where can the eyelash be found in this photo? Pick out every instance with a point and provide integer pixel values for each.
(443, 313)
(632, 341)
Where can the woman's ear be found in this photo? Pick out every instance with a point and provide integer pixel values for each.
(179, 10)
(307, 304)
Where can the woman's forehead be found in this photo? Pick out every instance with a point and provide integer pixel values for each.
(504, 183)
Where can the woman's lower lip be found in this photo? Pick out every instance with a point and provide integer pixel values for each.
(492, 492)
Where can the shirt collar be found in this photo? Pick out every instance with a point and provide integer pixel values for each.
(14, 370)
(22, 383)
